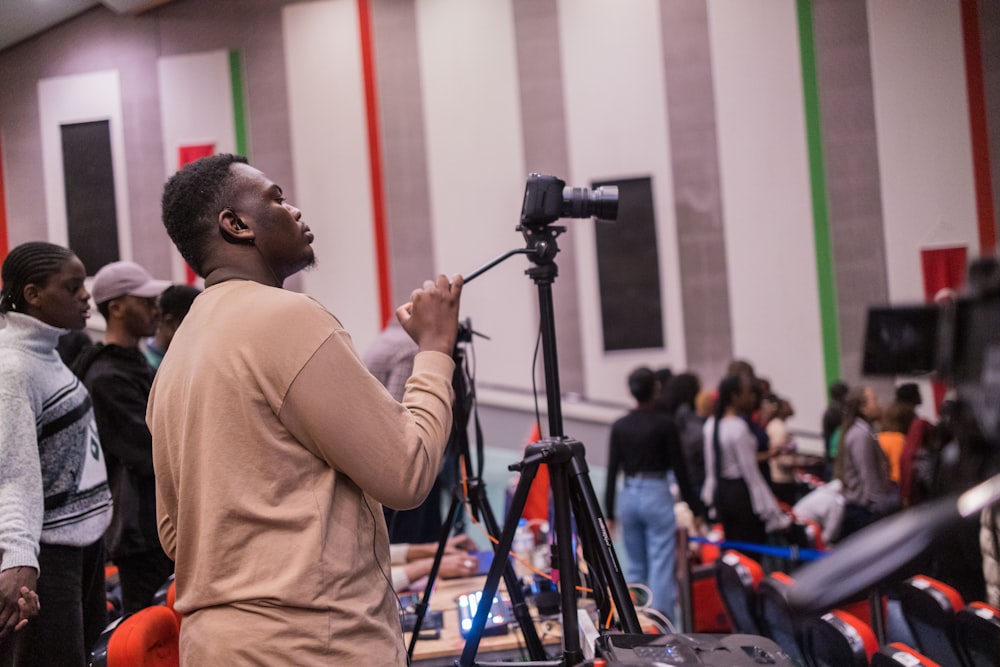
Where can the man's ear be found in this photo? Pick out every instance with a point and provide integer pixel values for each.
(233, 229)
(115, 307)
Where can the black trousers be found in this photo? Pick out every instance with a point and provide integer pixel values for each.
(141, 575)
(735, 513)
(856, 517)
(74, 610)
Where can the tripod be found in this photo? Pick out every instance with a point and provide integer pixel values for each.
(479, 506)
(572, 491)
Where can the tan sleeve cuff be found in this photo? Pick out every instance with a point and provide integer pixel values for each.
(437, 363)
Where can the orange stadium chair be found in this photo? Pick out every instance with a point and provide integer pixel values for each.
(898, 654)
(837, 639)
(929, 607)
(777, 621)
(736, 577)
(977, 629)
(148, 638)
(171, 598)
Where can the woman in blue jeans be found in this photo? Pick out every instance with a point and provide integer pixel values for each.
(645, 447)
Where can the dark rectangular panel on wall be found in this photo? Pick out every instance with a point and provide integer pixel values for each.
(628, 270)
(91, 216)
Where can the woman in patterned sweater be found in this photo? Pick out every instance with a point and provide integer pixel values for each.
(54, 499)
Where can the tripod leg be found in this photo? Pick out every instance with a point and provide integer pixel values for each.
(572, 653)
(500, 561)
(432, 575)
(591, 511)
(598, 573)
(520, 608)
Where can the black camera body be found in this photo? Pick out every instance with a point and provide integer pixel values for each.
(959, 341)
(546, 199)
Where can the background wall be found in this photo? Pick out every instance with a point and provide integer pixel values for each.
(801, 155)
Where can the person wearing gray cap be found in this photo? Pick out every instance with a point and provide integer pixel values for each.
(118, 377)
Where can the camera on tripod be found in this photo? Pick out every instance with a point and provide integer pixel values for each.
(547, 198)
(958, 340)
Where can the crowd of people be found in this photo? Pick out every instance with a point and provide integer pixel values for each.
(253, 460)
(256, 457)
(737, 464)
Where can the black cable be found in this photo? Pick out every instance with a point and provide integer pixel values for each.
(388, 579)
(534, 384)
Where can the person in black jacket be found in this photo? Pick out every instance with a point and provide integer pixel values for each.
(118, 377)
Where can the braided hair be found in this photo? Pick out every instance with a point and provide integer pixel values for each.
(29, 263)
(192, 199)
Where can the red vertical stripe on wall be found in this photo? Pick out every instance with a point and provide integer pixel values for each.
(186, 154)
(978, 127)
(4, 244)
(375, 162)
(943, 269)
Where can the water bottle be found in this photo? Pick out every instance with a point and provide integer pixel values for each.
(523, 547)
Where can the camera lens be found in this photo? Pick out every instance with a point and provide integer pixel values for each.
(599, 203)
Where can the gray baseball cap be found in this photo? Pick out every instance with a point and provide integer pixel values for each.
(119, 279)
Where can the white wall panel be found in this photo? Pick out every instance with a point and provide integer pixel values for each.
(331, 161)
(82, 98)
(476, 173)
(766, 199)
(196, 107)
(922, 117)
(616, 122)
(196, 103)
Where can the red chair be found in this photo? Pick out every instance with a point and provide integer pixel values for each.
(838, 638)
(900, 655)
(171, 598)
(777, 621)
(977, 630)
(148, 638)
(736, 577)
(929, 607)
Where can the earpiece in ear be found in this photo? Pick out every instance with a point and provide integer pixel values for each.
(238, 225)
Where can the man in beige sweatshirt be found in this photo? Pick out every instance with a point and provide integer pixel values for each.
(274, 448)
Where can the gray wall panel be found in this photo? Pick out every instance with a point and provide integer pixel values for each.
(697, 193)
(407, 198)
(843, 64)
(536, 26)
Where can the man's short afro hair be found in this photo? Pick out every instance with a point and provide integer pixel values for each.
(192, 199)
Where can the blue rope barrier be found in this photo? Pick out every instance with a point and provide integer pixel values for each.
(791, 553)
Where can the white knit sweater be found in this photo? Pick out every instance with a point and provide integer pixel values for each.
(53, 481)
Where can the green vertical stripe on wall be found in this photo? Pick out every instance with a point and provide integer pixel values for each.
(239, 107)
(817, 181)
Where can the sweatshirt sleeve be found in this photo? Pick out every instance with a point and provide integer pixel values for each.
(21, 495)
(343, 415)
(764, 504)
(679, 466)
